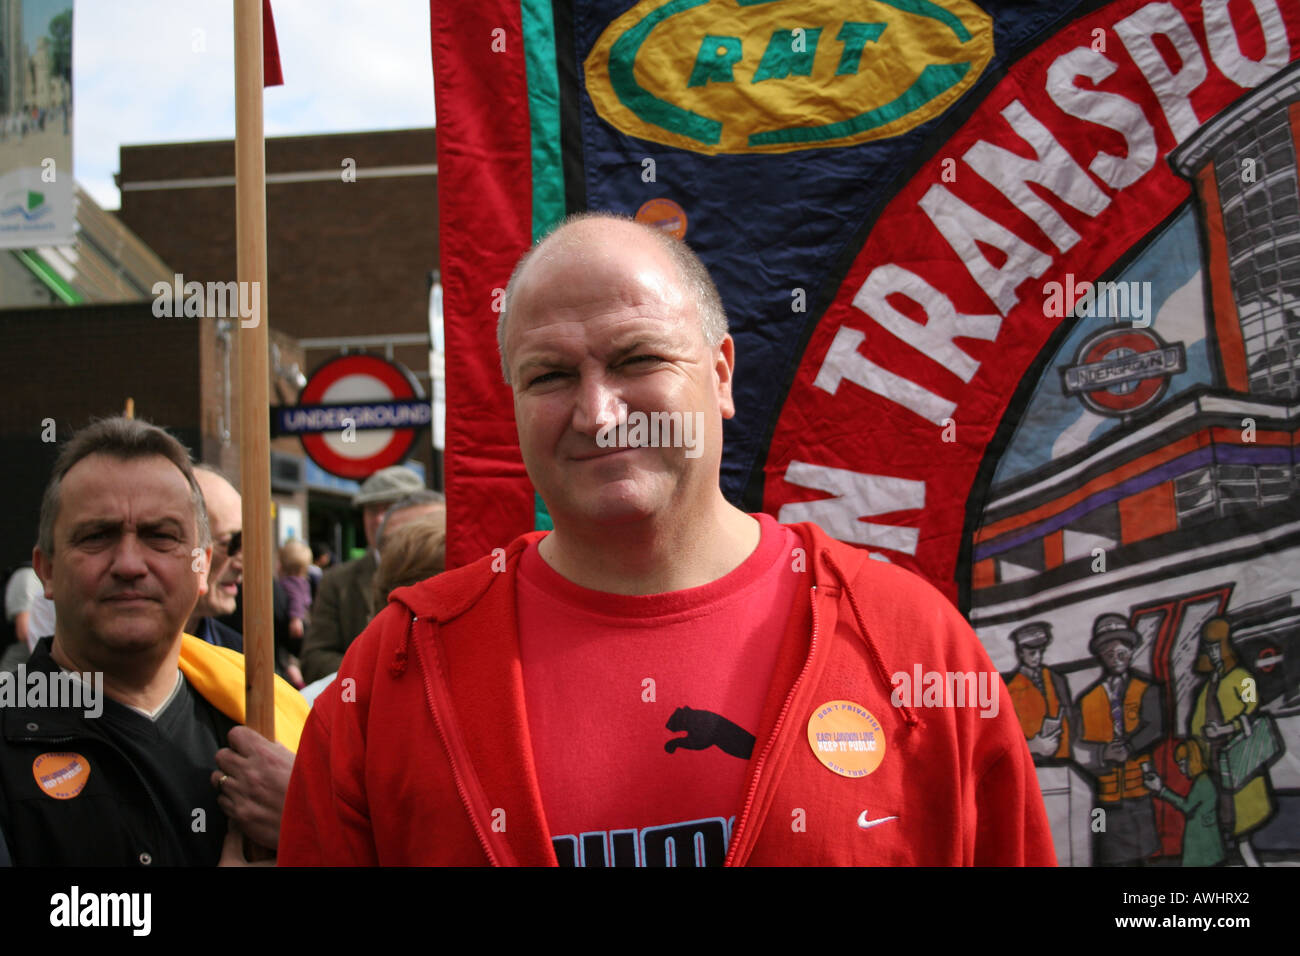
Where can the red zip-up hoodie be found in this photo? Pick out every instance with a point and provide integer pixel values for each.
(419, 753)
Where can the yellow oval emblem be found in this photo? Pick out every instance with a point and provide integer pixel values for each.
(771, 76)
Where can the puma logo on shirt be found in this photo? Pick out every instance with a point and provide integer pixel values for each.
(705, 729)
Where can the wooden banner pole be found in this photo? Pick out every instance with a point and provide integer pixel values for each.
(254, 427)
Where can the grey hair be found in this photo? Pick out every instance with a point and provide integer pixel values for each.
(124, 439)
(415, 499)
(694, 276)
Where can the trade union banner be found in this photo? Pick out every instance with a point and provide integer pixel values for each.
(1015, 291)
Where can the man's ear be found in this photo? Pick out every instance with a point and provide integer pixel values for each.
(724, 367)
(44, 568)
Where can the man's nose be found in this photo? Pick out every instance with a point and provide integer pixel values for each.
(129, 557)
(597, 406)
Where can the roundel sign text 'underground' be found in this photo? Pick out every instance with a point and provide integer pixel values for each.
(356, 415)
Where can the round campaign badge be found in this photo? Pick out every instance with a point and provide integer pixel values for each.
(61, 775)
(663, 214)
(846, 738)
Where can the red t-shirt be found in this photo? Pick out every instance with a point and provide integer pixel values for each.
(613, 682)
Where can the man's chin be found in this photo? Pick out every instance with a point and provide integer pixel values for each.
(614, 507)
(127, 636)
(220, 608)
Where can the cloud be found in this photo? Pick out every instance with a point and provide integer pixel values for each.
(156, 71)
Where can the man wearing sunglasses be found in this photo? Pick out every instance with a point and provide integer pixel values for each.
(225, 516)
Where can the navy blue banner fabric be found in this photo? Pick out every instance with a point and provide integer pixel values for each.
(768, 224)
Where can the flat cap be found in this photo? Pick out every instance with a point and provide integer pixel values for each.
(387, 485)
(1035, 634)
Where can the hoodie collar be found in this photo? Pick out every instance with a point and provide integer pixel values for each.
(448, 595)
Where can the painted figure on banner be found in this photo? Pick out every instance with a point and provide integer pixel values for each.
(1120, 722)
(1234, 739)
(1040, 695)
(1202, 839)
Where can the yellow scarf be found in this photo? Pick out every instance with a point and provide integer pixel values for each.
(217, 673)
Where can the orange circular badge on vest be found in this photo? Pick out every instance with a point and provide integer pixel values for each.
(61, 775)
(846, 738)
(663, 214)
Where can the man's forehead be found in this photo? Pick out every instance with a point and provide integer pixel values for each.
(629, 261)
(613, 336)
(109, 471)
(635, 301)
(149, 487)
(224, 506)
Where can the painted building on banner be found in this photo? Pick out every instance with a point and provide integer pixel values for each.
(1152, 474)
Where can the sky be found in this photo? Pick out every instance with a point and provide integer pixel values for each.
(162, 71)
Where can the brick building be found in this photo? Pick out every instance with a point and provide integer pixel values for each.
(352, 240)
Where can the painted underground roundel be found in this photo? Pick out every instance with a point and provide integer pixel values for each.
(1122, 370)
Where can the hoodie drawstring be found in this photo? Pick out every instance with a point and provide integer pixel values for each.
(909, 715)
(398, 667)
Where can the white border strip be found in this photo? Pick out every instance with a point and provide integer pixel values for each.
(305, 176)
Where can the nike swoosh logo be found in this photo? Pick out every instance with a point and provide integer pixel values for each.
(868, 824)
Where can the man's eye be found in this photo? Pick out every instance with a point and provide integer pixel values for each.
(641, 359)
(546, 377)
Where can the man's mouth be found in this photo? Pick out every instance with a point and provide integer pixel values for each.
(603, 453)
(129, 597)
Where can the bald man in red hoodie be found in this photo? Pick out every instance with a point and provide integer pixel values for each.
(663, 679)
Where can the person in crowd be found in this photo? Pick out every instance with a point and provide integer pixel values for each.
(294, 582)
(342, 607)
(322, 558)
(662, 679)
(416, 506)
(226, 573)
(411, 552)
(117, 765)
(23, 587)
(295, 559)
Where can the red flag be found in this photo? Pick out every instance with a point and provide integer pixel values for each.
(271, 75)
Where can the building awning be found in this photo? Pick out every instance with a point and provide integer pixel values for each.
(105, 263)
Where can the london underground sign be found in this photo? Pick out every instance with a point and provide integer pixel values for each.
(356, 415)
